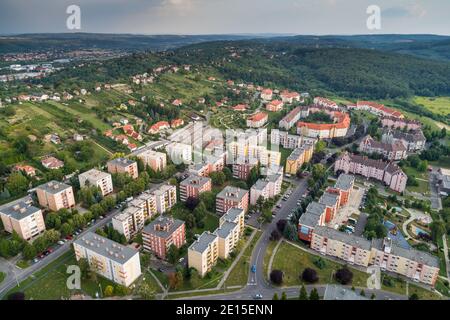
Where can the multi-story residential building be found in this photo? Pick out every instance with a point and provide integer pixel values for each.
(331, 202)
(210, 164)
(389, 173)
(147, 202)
(23, 218)
(235, 215)
(55, 195)
(227, 238)
(231, 197)
(257, 120)
(97, 178)
(266, 188)
(298, 157)
(203, 253)
(414, 264)
(193, 186)
(394, 151)
(275, 106)
(289, 141)
(162, 233)
(326, 130)
(165, 198)
(343, 186)
(290, 97)
(352, 249)
(377, 109)
(155, 160)
(325, 103)
(443, 181)
(243, 167)
(129, 222)
(313, 216)
(399, 123)
(110, 259)
(413, 141)
(123, 165)
(180, 153)
(290, 119)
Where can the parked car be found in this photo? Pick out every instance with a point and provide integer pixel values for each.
(258, 296)
(60, 242)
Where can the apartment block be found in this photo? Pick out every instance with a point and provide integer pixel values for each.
(411, 263)
(162, 233)
(97, 178)
(111, 260)
(313, 216)
(290, 141)
(155, 160)
(228, 237)
(298, 157)
(343, 186)
(123, 165)
(398, 123)
(180, 153)
(165, 198)
(290, 119)
(129, 222)
(242, 168)
(210, 164)
(387, 172)
(257, 120)
(203, 253)
(350, 248)
(413, 141)
(266, 188)
(235, 215)
(390, 151)
(55, 195)
(193, 186)
(231, 197)
(23, 218)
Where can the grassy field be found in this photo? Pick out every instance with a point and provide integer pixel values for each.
(49, 283)
(2, 276)
(424, 186)
(440, 105)
(292, 261)
(268, 254)
(239, 274)
(398, 285)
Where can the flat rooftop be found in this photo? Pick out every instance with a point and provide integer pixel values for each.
(105, 247)
(121, 162)
(225, 229)
(345, 181)
(54, 187)
(19, 209)
(202, 243)
(95, 174)
(163, 227)
(232, 193)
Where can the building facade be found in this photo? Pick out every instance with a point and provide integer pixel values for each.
(123, 165)
(193, 186)
(98, 179)
(55, 195)
(231, 197)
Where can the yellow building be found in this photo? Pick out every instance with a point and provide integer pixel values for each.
(111, 260)
(298, 157)
(203, 253)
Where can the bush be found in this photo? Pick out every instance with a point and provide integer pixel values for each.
(275, 235)
(281, 225)
(16, 296)
(276, 276)
(344, 276)
(309, 275)
(320, 263)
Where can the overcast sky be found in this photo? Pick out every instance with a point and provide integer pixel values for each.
(226, 16)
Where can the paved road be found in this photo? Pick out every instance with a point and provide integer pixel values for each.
(10, 282)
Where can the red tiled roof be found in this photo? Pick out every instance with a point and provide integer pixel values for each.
(258, 116)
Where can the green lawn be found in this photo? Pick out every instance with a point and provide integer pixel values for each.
(292, 261)
(2, 276)
(423, 186)
(49, 283)
(422, 293)
(440, 105)
(239, 275)
(268, 254)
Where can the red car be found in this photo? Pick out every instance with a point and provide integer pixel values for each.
(69, 237)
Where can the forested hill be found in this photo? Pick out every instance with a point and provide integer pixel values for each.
(351, 72)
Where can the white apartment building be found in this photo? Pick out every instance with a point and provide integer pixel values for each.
(266, 188)
(180, 153)
(97, 178)
(111, 260)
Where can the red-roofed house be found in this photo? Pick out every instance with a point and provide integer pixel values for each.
(290, 97)
(177, 102)
(267, 94)
(257, 120)
(157, 127)
(29, 170)
(52, 163)
(240, 107)
(132, 146)
(275, 106)
(378, 109)
(177, 123)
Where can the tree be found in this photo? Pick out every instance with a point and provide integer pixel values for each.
(29, 251)
(191, 203)
(303, 293)
(276, 276)
(314, 295)
(16, 296)
(175, 280)
(309, 275)
(320, 263)
(52, 221)
(344, 276)
(17, 184)
(145, 291)
(283, 296)
(373, 296)
(281, 224)
(362, 293)
(318, 171)
(275, 235)
(173, 254)
(109, 291)
(84, 268)
(228, 173)
(66, 229)
(218, 178)
(275, 296)
(414, 296)
(209, 199)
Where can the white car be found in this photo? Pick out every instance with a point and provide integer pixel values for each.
(60, 242)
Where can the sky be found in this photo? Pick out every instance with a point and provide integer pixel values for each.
(226, 16)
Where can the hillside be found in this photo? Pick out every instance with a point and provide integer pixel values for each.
(350, 72)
